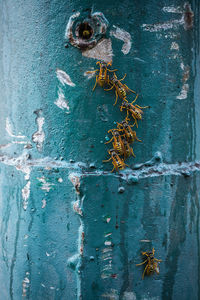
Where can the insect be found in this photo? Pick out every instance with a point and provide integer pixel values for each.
(120, 88)
(118, 144)
(117, 162)
(134, 110)
(102, 78)
(151, 263)
(129, 133)
(128, 151)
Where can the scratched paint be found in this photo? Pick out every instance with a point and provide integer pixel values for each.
(80, 237)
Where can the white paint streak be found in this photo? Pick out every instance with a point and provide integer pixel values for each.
(46, 186)
(60, 180)
(172, 9)
(64, 78)
(39, 136)
(124, 36)
(102, 51)
(184, 92)
(44, 202)
(174, 46)
(25, 285)
(70, 23)
(164, 26)
(26, 194)
(9, 130)
(61, 102)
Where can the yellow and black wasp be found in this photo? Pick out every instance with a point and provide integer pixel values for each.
(128, 151)
(151, 263)
(117, 162)
(118, 144)
(129, 133)
(102, 78)
(120, 88)
(134, 110)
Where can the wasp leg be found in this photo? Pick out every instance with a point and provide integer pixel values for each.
(109, 89)
(126, 165)
(135, 99)
(90, 72)
(135, 120)
(107, 160)
(113, 169)
(138, 139)
(157, 259)
(133, 152)
(122, 78)
(129, 89)
(142, 263)
(109, 141)
(144, 271)
(98, 63)
(112, 70)
(95, 84)
(116, 98)
(142, 106)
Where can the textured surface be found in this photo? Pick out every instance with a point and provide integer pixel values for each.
(69, 228)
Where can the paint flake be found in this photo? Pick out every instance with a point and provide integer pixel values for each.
(64, 78)
(124, 36)
(102, 51)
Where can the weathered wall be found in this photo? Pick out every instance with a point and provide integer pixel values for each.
(68, 228)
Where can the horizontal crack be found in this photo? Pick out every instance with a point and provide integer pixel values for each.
(24, 162)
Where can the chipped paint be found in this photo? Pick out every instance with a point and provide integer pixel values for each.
(61, 102)
(174, 46)
(9, 130)
(46, 186)
(64, 78)
(26, 194)
(44, 202)
(124, 36)
(185, 88)
(39, 136)
(172, 24)
(184, 92)
(129, 296)
(77, 208)
(173, 9)
(60, 180)
(75, 180)
(102, 51)
(25, 285)
(186, 20)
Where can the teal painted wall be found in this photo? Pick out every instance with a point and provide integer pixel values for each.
(68, 229)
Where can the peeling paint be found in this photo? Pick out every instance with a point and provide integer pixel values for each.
(173, 9)
(26, 194)
(124, 36)
(61, 102)
(25, 285)
(77, 208)
(75, 180)
(64, 78)
(44, 202)
(102, 51)
(46, 186)
(39, 136)
(184, 92)
(174, 46)
(186, 20)
(9, 130)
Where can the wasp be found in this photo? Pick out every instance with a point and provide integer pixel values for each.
(120, 88)
(129, 133)
(134, 110)
(117, 162)
(128, 151)
(151, 263)
(102, 77)
(118, 144)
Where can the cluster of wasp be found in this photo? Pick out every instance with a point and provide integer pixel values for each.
(123, 135)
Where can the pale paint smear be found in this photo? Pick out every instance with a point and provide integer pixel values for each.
(174, 46)
(64, 78)
(164, 26)
(26, 194)
(39, 136)
(61, 102)
(102, 51)
(9, 130)
(124, 36)
(46, 186)
(173, 9)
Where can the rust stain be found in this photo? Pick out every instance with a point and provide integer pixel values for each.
(188, 16)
